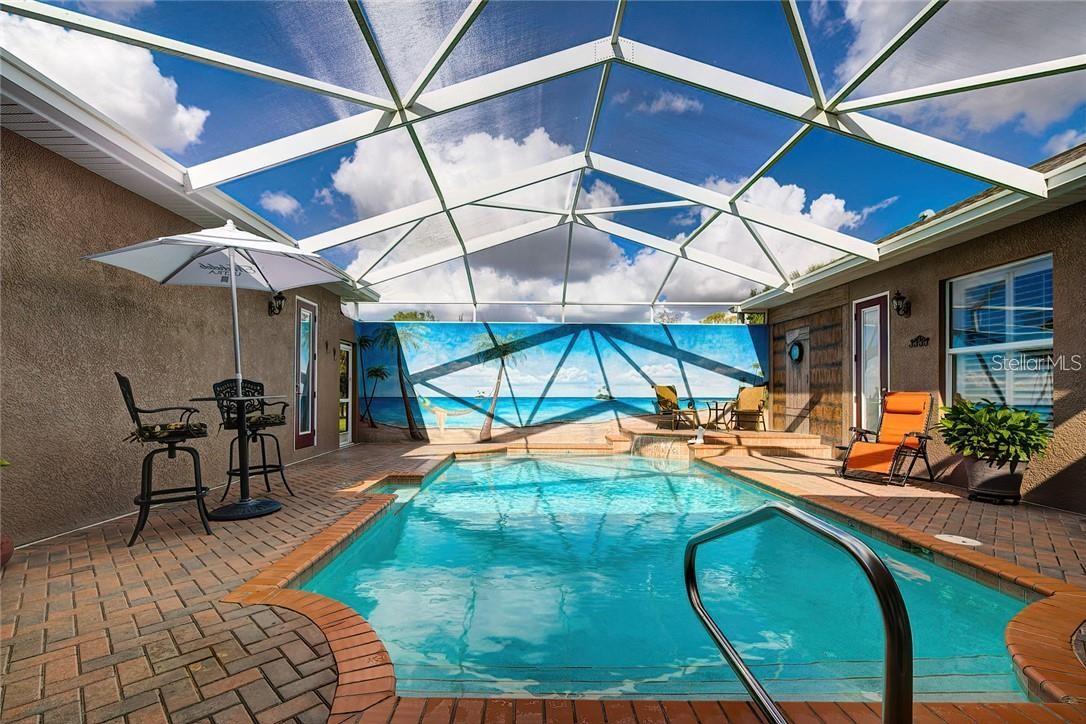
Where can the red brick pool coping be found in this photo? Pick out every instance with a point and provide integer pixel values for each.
(1039, 638)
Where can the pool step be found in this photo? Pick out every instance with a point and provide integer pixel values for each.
(729, 443)
(936, 680)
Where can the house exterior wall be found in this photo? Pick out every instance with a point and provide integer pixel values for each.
(1059, 478)
(68, 324)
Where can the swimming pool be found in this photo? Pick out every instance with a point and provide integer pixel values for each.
(562, 576)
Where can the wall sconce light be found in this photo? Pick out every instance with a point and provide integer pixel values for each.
(901, 304)
(275, 304)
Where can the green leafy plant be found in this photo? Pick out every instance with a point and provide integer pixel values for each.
(995, 433)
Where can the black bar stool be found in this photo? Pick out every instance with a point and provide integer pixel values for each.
(170, 434)
(257, 419)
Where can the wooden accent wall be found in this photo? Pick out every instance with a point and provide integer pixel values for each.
(829, 353)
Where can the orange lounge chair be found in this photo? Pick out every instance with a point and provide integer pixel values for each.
(902, 437)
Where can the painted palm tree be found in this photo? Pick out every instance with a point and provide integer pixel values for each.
(399, 339)
(508, 356)
(376, 373)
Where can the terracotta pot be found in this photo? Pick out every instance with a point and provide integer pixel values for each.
(994, 482)
(6, 549)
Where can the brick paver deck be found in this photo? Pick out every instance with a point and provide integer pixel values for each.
(94, 631)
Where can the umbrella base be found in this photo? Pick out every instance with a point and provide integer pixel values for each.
(244, 509)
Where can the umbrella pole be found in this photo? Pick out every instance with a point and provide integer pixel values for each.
(246, 507)
(234, 311)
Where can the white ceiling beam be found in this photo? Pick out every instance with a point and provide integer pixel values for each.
(764, 168)
(701, 228)
(875, 62)
(521, 207)
(793, 225)
(673, 248)
(425, 261)
(597, 108)
(663, 282)
(803, 49)
(125, 34)
(389, 247)
(448, 45)
(375, 51)
(854, 125)
(976, 82)
(681, 203)
(444, 207)
(453, 199)
(772, 257)
(372, 225)
(539, 303)
(362, 126)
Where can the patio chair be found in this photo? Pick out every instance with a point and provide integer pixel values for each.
(170, 434)
(902, 437)
(257, 419)
(668, 410)
(749, 406)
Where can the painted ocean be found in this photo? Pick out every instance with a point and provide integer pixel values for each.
(512, 411)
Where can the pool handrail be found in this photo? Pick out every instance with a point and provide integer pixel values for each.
(898, 673)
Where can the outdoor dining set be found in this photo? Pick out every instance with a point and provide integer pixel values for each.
(231, 258)
(248, 412)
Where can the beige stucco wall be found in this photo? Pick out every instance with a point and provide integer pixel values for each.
(1058, 479)
(68, 324)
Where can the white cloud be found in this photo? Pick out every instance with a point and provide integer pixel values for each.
(965, 39)
(622, 96)
(670, 102)
(281, 203)
(1065, 141)
(324, 197)
(571, 373)
(600, 195)
(123, 81)
(875, 208)
(663, 371)
(385, 172)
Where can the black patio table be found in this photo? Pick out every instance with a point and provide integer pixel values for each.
(246, 507)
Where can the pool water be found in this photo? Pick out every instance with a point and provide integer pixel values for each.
(562, 576)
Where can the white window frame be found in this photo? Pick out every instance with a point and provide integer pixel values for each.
(294, 383)
(1022, 345)
(853, 397)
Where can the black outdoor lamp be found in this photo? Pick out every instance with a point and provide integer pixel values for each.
(901, 304)
(275, 304)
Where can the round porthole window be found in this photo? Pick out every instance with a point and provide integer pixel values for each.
(795, 351)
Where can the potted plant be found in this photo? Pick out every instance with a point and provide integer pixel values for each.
(996, 442)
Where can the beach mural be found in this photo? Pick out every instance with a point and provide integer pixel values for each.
(470, 380)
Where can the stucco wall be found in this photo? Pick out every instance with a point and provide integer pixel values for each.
(1058, 479)
(68, 324)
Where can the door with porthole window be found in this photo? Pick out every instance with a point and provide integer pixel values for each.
(305, 375)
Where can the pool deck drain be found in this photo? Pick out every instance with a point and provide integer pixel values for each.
(95, 631)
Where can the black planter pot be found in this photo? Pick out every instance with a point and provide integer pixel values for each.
(997, 483)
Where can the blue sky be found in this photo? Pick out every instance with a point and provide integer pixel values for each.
(195, 112)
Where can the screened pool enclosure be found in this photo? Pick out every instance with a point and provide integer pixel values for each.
(570, 161)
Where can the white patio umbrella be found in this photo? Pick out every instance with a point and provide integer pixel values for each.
(225, 257)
